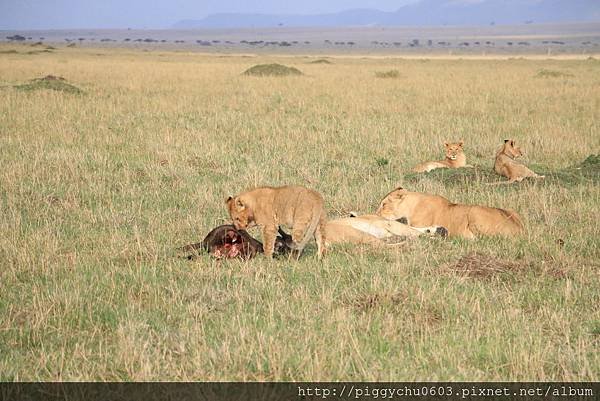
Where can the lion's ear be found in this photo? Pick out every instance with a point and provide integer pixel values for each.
(506, 140)
(228, 200)
(512, 143)
(446, 144)
(461, 143)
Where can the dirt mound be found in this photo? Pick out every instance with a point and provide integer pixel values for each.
(543, 73)
(274, 70)
(33, 52)
(586, 172)
(320, 61)
(388, 74)
(51, 82)
(480, 265)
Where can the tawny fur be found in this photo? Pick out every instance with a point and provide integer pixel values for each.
(296, 207)
(468, 221)
(371, 229)
(455, 158)
(506, 165)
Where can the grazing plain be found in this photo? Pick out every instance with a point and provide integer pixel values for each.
(99, 187)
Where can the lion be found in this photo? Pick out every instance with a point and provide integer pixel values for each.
(467, 221)
(506, 165)
(374, 230)
(297, 207)
(455, 158)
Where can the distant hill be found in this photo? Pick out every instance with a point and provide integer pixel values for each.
(425, 12)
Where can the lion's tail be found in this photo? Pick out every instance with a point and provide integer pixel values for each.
(311, 228)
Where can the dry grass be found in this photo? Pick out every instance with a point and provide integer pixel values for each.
(97, 191)
(476, 264)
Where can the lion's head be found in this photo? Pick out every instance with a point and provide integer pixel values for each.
(453, 150)
(387, 206)
(511, 150)
(240, 213)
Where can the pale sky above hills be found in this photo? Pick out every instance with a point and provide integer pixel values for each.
(32, 14)
(66, 14)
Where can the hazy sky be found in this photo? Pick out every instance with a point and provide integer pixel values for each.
(56, 14)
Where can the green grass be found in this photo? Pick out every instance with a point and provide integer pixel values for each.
(98, 191)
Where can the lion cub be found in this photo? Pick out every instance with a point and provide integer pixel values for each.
(455, 158)
(506, 165)
(297, 207)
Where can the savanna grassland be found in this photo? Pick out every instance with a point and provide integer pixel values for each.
(98, 188)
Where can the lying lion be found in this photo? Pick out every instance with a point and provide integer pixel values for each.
(468, 221)
(374, 230)
(506, 165)
(455, 158)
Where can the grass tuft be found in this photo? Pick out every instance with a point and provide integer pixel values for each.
(382, 161)
(275, 70)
